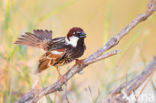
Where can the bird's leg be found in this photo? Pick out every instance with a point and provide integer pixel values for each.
(80, 62)
(63, 80)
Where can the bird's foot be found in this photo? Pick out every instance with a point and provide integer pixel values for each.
(63, 80)
(80, 62)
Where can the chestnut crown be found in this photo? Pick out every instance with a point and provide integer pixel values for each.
(76, 31)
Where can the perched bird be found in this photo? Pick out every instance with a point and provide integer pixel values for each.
(59, 51)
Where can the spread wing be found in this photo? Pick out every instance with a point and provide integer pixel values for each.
(56, 43)
(38, 39)
(50, 58)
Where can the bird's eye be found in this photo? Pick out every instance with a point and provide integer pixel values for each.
(78, 32)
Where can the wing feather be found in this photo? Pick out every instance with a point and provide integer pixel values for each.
(50, 58)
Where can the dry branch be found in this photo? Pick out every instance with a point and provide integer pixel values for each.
(127, 88)
(35, 94)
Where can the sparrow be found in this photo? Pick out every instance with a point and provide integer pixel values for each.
(59, 51)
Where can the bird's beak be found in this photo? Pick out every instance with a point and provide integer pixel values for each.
(83, 35)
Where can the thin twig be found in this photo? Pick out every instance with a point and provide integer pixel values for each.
(90, 92)
(136, 99)
(66, 94)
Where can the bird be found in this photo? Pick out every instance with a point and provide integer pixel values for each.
(58, 51)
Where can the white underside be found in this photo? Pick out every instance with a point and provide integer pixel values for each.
(72, 41)
(56, 52)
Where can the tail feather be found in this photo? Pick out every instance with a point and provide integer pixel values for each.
(38, 38)
(29, 40)
(30, 36)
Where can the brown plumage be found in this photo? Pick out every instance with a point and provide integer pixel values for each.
(48, 59)
(38, 39)
(59, 51)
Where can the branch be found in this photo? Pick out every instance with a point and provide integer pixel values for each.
(35, 94)
(127, 88)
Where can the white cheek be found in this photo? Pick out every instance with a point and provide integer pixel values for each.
(72, 41)
(56, 52)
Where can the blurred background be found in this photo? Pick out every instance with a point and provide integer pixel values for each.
(100, 19)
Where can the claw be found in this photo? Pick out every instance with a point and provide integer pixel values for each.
(63, 80)
(80, 62)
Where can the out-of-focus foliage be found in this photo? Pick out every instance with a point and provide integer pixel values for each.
(100, 19)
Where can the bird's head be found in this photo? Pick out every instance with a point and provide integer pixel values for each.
(74, 35)
(76, 32)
